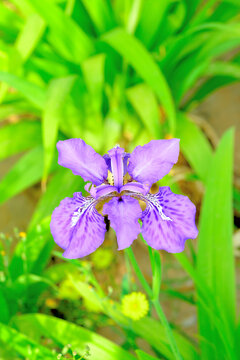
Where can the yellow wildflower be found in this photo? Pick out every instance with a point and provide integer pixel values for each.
(22, 234)
(102, 258)
(135, 305)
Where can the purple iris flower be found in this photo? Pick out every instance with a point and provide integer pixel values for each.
(120, 180)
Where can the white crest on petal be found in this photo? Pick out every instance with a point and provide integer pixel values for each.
(154, 202)
(80, 211)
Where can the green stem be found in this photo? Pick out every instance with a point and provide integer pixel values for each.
(154, 300)
(167, 328)
(138, 272)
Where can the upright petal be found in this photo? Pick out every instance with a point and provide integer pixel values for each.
(77, 227)
(107, 159)
(149, 163)
(76, 155)
(168, 221)
(123, 213)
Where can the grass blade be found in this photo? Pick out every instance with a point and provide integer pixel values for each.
(57, 92)
(69, 333)
(194, 145)
(66, 36)
(215, 259)
(30, 91)
(28, 38)
(23, 345)
(135, 53)
(145, 104)
(101, 14)
(64, 180)
(11, 137)
(26, 172)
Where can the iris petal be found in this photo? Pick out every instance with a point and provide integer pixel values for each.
(168, 221)
(76, 155)
(77, 227)
(123, 214)
(149, 163)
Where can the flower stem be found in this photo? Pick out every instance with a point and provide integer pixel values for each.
(167, 328)
(154, 299)
(138, 271)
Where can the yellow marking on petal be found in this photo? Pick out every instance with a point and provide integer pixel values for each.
(110, 178)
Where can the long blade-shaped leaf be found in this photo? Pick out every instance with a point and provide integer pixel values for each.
(23, 345)
(215, 259)
(194, 145)
(11, 137)
(69, 333)
(144, 102)
(135, 53)
(152, 13)
(30, 35)
(56, 95)
(64, 180)
(100, 13)
(26, 172)
(66, 35)
(32, 92)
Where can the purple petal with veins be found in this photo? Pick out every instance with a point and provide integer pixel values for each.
(168, 221)
(76, 155)
(77, 227)
(149, 163)
(123, 214)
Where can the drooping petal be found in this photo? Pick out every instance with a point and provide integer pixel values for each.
(168, 221)
(76, 155)
(149, 163)
(77, 227)
(123, 213)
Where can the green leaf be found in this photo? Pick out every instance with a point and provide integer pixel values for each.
(145, 104)
(16, 107)
(30, 35)
(57, 92)
(152, 14)
(207, 300)
(223, 68)
(144, 356)
(64, 180)
(30, 91)
(27, 252)
(207, 88)
(135, 53)
(147, 328)
(11, 137)
(215, 258)
(66, 36)
(24, 346)
(93, 72)
(194, 145)
(26, 172)
(64, 332)
(100, 13)
(4, 313)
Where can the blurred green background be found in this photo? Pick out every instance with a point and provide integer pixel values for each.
(127, 72)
